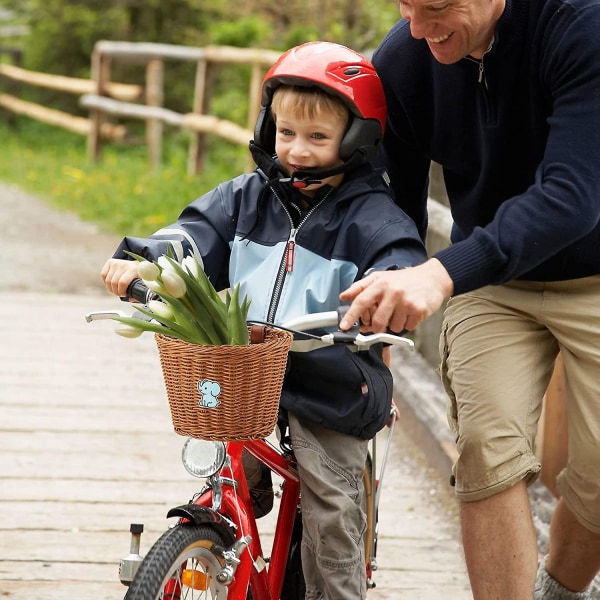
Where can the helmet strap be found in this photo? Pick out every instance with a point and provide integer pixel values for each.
(301, 179)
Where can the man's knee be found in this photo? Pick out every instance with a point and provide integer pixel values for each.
(581, 492)
(489, 465)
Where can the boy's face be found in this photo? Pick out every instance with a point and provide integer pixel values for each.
(304, 144)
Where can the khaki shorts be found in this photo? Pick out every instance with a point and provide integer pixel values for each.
(497, 348)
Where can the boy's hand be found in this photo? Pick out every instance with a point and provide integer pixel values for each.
(397, 299)
(118, 274)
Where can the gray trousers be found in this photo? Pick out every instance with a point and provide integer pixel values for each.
(331, 467)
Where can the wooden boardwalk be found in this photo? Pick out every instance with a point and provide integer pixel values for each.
(86, 447)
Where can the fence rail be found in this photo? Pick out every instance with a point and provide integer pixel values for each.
(68, 85)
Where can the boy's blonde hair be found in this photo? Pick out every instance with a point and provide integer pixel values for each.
(307, 103)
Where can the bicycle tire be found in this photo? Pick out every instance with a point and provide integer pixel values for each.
(180, 555)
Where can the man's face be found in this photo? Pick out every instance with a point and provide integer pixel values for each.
(453, 29)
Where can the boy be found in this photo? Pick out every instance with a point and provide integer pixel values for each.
(311, 219)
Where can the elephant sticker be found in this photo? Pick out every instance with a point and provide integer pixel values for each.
(209, 393)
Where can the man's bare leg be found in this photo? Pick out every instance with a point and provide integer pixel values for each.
(574, 557)
(500, 545)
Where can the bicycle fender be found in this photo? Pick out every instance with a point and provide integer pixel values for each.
(198, 515)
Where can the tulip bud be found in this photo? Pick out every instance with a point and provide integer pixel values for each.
(163, 263)
(161, 309)
(128, 331)
(193, 265)
(148, 271)
(173, 284)
(154, 285)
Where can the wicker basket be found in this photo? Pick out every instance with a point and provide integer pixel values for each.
(224, 392)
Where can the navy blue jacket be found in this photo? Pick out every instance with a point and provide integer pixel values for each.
(517, 135)
(351, 230)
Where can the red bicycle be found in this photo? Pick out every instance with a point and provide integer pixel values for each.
(214, 550)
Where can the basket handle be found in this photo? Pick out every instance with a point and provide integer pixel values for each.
(257, 334)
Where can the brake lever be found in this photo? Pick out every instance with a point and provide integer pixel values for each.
(104, 314)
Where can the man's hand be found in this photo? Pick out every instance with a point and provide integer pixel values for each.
(118, 274)
(397, 300)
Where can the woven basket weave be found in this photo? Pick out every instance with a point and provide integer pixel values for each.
(224, 392)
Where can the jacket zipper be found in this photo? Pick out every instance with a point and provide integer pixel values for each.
(287, 260)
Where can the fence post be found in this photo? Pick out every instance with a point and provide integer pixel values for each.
(195, 157)
(154, 97)
(13, 87)
(254, 103)
(101, 76)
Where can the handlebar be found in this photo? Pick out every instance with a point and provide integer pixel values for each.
(139, 291)
(353, 336)
(299, 326)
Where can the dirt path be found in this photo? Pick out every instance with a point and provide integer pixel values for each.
(48, 251)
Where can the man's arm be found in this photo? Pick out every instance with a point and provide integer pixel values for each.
(397, 300)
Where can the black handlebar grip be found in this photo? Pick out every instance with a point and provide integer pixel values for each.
(139, 291)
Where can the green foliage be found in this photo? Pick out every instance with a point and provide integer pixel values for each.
(63, 33)
(122, 194)
(246, 32)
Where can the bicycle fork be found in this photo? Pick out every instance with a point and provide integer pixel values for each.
(376, 485)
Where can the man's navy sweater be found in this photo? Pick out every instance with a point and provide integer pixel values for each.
(517, 135)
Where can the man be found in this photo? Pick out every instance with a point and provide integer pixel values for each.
(505, 95)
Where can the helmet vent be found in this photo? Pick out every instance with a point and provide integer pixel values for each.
(352, 71)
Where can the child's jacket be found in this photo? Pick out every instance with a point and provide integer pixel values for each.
(290, 265)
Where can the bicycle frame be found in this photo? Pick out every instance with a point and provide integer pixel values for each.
(229, 496)
(226, 506)
(236, 504)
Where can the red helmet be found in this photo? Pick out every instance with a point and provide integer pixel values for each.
(337, 70)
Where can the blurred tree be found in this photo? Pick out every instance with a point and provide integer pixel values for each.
(62, 34)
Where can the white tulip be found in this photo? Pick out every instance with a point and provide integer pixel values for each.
(193, 266)
(128, 331)
(153, 285)
(164, 263)
(161, 309)
(148, 271)
(173, 284)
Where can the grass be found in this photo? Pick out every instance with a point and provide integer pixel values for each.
(122, 195)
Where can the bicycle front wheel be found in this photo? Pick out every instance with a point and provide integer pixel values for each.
(182, 565)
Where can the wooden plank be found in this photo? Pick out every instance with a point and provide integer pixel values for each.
(86, 462)
(154, 97)
(144, 51)
(79, 125)
(70, 85)
(205, 123)
(142, 488)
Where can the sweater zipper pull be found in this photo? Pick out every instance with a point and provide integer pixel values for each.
(290, 251)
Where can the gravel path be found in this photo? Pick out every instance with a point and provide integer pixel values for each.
(40, 243)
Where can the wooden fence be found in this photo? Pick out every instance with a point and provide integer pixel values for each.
(105, 98)
(198, 122)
